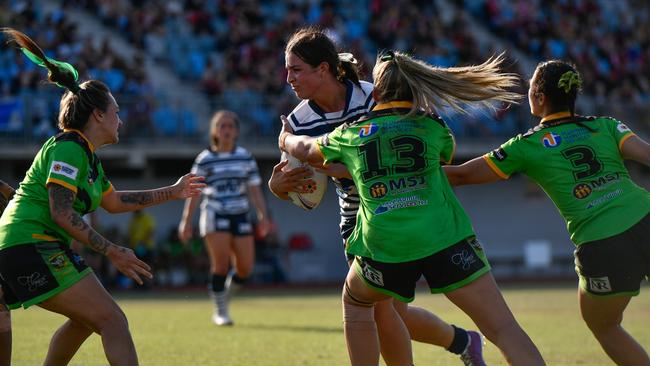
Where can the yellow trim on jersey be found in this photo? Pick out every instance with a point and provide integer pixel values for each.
(109, 190)
(44, 237)
(557, 115)
(620, 144)
(391, 105)
(495, 168)
(62, 183)
(90, 144)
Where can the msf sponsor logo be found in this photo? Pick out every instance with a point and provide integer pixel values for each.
(33, 281)
(551, 139)
(583, 190)
(397, 186)
(378, 190)
(368, 130)
(600, 284)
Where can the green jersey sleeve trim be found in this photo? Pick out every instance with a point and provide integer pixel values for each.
(495, 168)
(108, 190)
(623, 139)
(61, 183)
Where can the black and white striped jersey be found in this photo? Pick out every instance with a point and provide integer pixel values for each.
(308, 119)
(227, 175)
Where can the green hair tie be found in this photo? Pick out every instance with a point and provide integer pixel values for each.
(60, 64)
(568, 80)
(387, 56)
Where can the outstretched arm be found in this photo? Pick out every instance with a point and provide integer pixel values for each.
(189, 185)
(635, 148)
(61, 200)
(475, 171)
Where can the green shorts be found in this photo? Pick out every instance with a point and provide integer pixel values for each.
(615, 266)
(34, 272)
(445, 271)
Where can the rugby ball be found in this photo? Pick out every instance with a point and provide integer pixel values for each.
(317, 184)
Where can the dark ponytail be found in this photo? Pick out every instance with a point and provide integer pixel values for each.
(560, 82)
(313, 46)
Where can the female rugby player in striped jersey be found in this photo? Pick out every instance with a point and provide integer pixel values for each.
(578, 161)
(233, 183)
(332, 94)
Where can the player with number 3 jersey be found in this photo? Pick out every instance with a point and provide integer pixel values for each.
(578, 161)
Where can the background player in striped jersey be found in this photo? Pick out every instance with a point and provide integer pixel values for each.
(65, 181)
(332, 94)
(225, 225)
(578, 161)
(401, 139)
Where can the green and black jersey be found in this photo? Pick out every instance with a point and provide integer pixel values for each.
(66, 159)
(408, 210)
(578, 163)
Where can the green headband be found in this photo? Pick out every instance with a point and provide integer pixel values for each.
(568, 80)
(60, 64)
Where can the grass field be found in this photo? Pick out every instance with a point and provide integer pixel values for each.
(300, 327)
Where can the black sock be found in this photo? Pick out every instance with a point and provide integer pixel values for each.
(239, 280)
(218, 283)
(461, 339)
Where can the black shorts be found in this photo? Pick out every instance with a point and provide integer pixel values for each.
(445, 271)
(211, 221)
(347, 227)
(615, 265)
(32, 273)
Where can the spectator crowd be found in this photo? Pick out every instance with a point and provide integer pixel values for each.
(233, 52)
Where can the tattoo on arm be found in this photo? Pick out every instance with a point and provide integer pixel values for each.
(163, 195)
(97, 242)
(137, 198)
(62, 199)
(145, 198)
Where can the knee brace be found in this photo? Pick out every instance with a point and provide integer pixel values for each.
(355, 310)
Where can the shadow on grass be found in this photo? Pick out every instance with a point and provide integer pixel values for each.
(291, 328)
